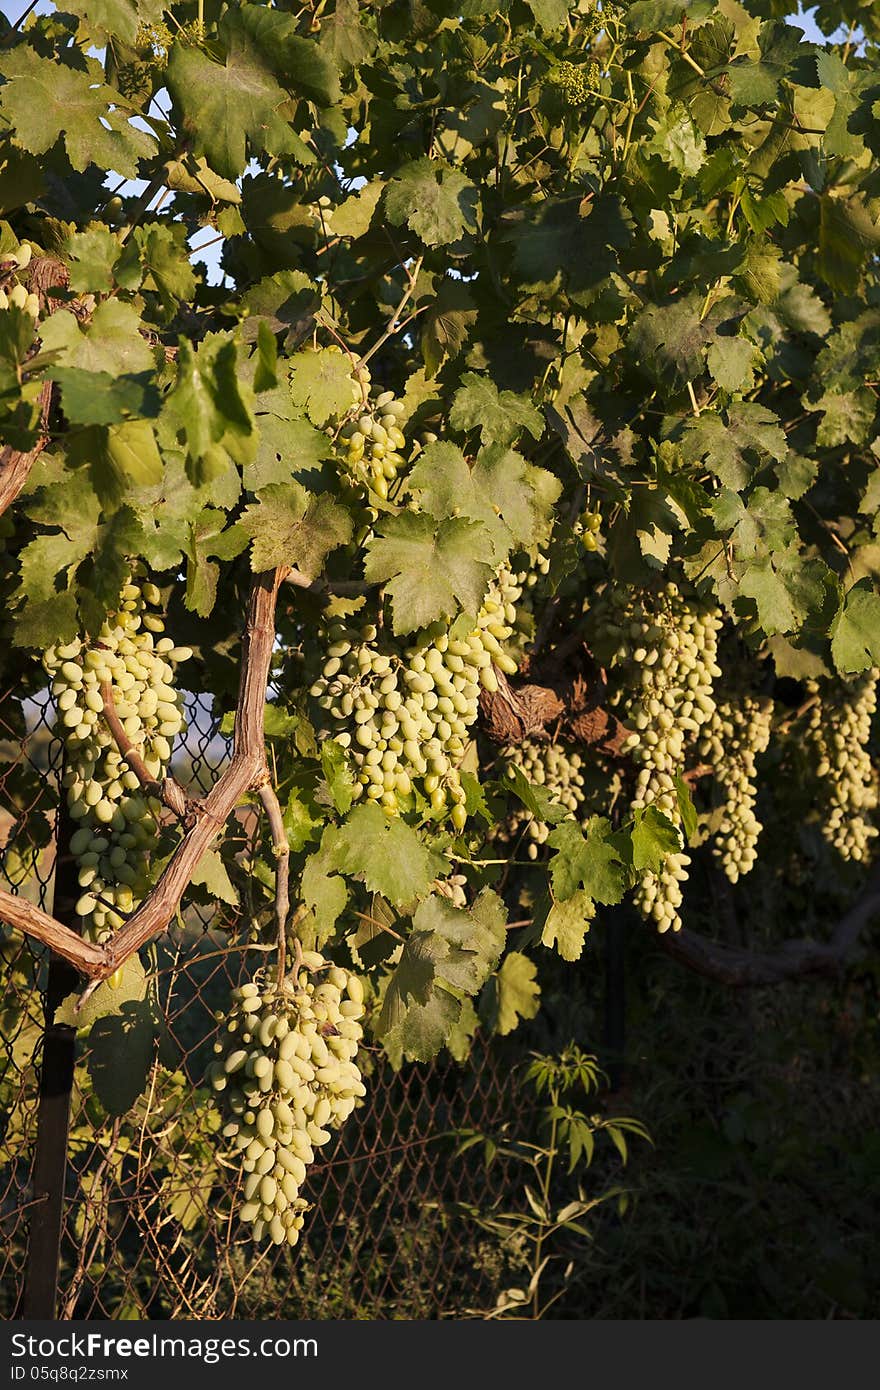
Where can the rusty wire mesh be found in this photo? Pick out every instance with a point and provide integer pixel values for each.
(148, 1212)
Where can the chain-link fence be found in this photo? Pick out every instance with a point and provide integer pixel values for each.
(147, 1215)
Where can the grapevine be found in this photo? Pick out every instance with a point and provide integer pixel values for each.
(285, 1077)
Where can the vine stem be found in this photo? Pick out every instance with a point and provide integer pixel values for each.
(169, 791)
(245, 770)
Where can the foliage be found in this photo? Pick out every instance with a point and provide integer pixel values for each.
(517, 312)
(543, 1219)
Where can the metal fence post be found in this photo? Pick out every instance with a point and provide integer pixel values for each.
(53, 1116)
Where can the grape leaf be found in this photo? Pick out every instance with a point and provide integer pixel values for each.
(734, 447)
(43, 99)
(386, 854)
(212, 874)
(511, 995)
(542, 804)
(653, 836)
(499, 415)
(208, 536)
(288, 526)
(586, 859)
(321, 384)
(567, 923)
(430, 569)
(686, 809)
(855, 634)
(121, 1048)
(786, 588)
(299, 63)
(436, 201)
(111, 343)
(99, 398)
(225, 105)
(337, 773)
(107, 999)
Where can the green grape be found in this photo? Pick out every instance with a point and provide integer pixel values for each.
(116, 823)
(373, 445)
(294, 1082)
(568, 86)
(838, 735)
(556, 767)
(734, 735)
(404, 713)
(661, 649)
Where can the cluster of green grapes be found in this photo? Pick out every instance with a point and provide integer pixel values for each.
(661, 646)
(556, 767)
(404, 714)
(732, 738)
(286, 1075)
(373, 443)
(839, 732)
(568, 85)
(18, 294)
(589, 526)
(117, 827)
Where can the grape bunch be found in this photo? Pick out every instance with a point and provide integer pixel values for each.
(839, 731)
(738, 731)
(373, 443)
(18, 294)
(285, 1077)
(661, 646)
(568, 86)
(404, 713)
(117, 829)
(557, 768)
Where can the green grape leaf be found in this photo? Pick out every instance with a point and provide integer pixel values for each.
(211, 873)
(321, 384)
(121, 1049)
(43, 99)
(586, 859)
(301, 825)
(97, 398)
(107, 999)
(338, 775)
(855, 634)
(287, 526)
(208, 536)
(786, 589)
(386, 854)
(436, 201)
(567, 923)
(511, 995)
(224, 106)
(499, 415)
(430, 570)
(686, 809)
(653, 836)
(539, 802)
(299, 63)
(510, 497)
(206, 406)
(733, 448)
(111, 343)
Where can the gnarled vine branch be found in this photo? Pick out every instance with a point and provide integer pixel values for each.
(742, 968)
(245, 770)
